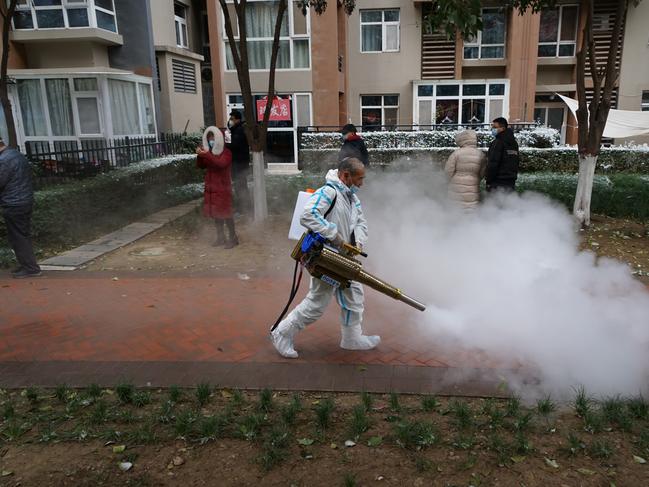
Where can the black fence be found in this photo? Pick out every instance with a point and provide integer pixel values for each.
(71, 160)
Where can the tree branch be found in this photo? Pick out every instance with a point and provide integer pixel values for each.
(582, 111)
(273, 61)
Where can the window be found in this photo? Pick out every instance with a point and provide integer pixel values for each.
(645, 101)
(294, 46)
(550, 116)
(489, 43)
(86, 96)
(184, 75)
(558, 33)
(378, 111)
(61, 14)
(180, 20)
(460, 103)
(379, 30)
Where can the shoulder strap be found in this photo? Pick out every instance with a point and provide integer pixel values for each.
(333, 203)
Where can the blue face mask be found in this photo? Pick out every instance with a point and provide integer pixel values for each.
(210, 143)
(494, 132)
(354, 189)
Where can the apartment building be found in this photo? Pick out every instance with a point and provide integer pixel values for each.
(84, 71)
(381, 67)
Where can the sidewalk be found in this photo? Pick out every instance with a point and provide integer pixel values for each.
(175, 329)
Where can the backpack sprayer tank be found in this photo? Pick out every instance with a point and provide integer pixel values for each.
(338, 269)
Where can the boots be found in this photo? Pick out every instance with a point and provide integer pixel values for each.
(353, 339)
(220, 233)
(282, 339)
(233, 240)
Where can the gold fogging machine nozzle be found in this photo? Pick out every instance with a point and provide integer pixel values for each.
(339, 269)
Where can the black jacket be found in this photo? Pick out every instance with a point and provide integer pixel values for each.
(354, 147)
(15, 179)
(503, 160)
(240, 149)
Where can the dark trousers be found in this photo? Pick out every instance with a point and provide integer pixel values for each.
(242, 200)
(19, 221)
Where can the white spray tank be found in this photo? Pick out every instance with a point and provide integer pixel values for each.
(297, 230)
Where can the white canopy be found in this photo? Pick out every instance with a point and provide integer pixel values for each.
(620, 123)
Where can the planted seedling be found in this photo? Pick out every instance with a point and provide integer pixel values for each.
(61, 393)
(323, 412)
(32, 395)
(250, 426)
(638, 408)
(545, 406)
(359, 422)
(141, 398)
(462, 413)
(99, 413)
(275, 446)
(203, 393)
(93, 391)
(429, 403)
(367, 401)
(265, 401)
(394, 402)
(125, 392)
(211, 427)
(600, 449)
(575, 445)
(416, 435)
(616, 413)
(513, 406)
(582, 403)
(350, 480)
(175, 394)
(184, 423)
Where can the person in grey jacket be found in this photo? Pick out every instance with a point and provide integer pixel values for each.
(16, 202)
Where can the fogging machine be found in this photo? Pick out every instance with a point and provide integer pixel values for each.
(337, 268)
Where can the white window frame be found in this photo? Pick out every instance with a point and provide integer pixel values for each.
(103, 105)
(382, 106)
(547, 106)
(384, 24)
(290, 38)
(180, 27)
(558, 43)
(460, 97)
(89, 5)
(477, 41)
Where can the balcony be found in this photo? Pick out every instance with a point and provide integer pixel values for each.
(65, 20)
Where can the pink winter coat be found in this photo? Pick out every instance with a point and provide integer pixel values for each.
(465, 168)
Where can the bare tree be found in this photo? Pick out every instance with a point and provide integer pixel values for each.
(7, 10)
(591, 117)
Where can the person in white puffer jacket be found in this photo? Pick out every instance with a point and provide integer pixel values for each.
(465, 169)
(344, 223)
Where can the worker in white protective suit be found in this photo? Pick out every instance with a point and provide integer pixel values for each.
(344, 223)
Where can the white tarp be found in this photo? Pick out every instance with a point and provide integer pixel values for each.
(620, 123)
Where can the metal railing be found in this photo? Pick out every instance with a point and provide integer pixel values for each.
(87, 158)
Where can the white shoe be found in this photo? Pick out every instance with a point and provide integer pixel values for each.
(353, 339)
(283, 340)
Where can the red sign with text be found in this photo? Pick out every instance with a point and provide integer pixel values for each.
(280, 111)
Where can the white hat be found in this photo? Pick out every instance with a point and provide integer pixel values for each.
(219, 143)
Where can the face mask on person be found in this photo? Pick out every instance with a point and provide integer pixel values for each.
(210, 143)
(494, 132)
(230, 124)
(354, 189)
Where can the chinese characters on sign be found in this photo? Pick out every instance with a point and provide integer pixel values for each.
(280, 110)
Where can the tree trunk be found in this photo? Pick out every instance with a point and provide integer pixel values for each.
(259, 188)
(581, 209)
(7, 13)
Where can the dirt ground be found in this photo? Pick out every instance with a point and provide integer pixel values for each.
(492, 444)
(186, 245)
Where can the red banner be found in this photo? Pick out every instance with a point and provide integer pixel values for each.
(280, 111)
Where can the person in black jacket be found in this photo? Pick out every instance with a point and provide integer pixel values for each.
(354, 146)
(502, 158)
(16, 201)
(238, 145)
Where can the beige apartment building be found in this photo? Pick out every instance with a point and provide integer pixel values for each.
(380, 68)
(86, 71)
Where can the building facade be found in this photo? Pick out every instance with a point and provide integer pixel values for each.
(85, 71)
(380, 67)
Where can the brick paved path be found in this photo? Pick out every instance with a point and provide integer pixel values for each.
(79, 328)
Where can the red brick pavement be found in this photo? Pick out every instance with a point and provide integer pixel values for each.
(93, 319)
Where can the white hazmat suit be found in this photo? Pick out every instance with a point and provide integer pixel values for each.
(344, 219)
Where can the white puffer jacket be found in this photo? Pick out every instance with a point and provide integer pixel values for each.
(465, 168)
(345, 217)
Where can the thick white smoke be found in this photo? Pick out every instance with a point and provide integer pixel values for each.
(508, 279)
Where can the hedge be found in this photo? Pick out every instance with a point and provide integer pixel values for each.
(617, 159)
(77, 212)
(539, 137)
